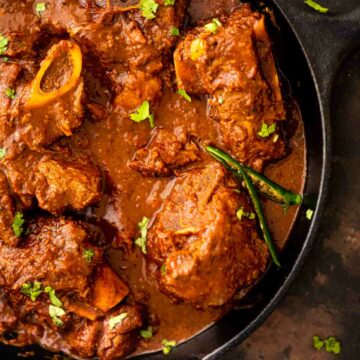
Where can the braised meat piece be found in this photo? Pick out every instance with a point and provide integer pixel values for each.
(52, 105)
(165, 152)
(120, 339)
(235, 66)
(9, 74)
(7, 214)
(63, 184)
(204, 251)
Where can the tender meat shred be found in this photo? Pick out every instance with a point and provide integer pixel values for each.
(9, 74)
(205, 253)
(165, 153)
(236, 67)
(61, 184)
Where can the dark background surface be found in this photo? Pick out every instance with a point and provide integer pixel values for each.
(324, 299)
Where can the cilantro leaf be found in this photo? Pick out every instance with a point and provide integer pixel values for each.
(2, 153)
(184, 94)
(31, 290)
(169, 2)
(147, 333)
(53, 298)
(143, 113)
(174, 31)
(213, 26)
(220, 100)
(316, 6)
(10, 93)
(168, 345)
(88, 254)
(55, 313)
(148, 8)
(241, 213)
(40, 7)
(309, 214)
(331, 344)
(141, 241)
(116, 320)
(267, 130)
(18, 223)
(3, 43)
(163, 269)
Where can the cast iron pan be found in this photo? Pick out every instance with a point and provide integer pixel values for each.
(310, 50)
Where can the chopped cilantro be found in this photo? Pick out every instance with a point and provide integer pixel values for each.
(40, 7)
(10, 93)
(31, 290)
(220, 100)
(267, 130)
(18, 223)
(141, 241)
(241, 213)
(147, 333)
(174, 31)
(143, 113)
(116, 320)
(55, 313)
(184, 94)
(168, 345)
(316, 6)
(53, 298)
(163, 269)
(3, 43)
(5, 59)
(213, 26)
(148, 8)
(169, 2)
(2, 153)
(331, 344)
(88, 254)
(309, 214)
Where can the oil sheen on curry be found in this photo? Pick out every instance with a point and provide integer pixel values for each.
(147, 154)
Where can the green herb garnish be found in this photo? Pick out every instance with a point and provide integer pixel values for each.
(267, 130)
(163, 269)
(213, 26)
(148, 8)
(168, 345)
(3, 43)
(147, 333)
(169, 2)
(331, 344)
(220, 100)
(52, 295)
(141, 241)
(309, 214)
(241, 213)
(316, 6)
(88, 254)
(184, 94)
(174, 31)
(116, 320)
(10, 93)
(55, 313)
(143, 113)
(2, 153)
(31, 290)
(18, 223)
(40, 7)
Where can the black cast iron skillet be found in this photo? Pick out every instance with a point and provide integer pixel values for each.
(310, 51)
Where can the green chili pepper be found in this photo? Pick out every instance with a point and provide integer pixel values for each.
(264, 185)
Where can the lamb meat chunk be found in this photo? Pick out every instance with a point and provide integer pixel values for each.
(63, 184)
(52, 253)
(205, 252)
(235, 66)
(165, 153)
(7, 214)
(120, 339)
(22, 33)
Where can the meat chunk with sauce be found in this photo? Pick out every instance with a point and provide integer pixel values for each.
(205, 253)
(63, 184)
(235, 66)
(165, 153)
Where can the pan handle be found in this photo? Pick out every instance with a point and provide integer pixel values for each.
(326, 39)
